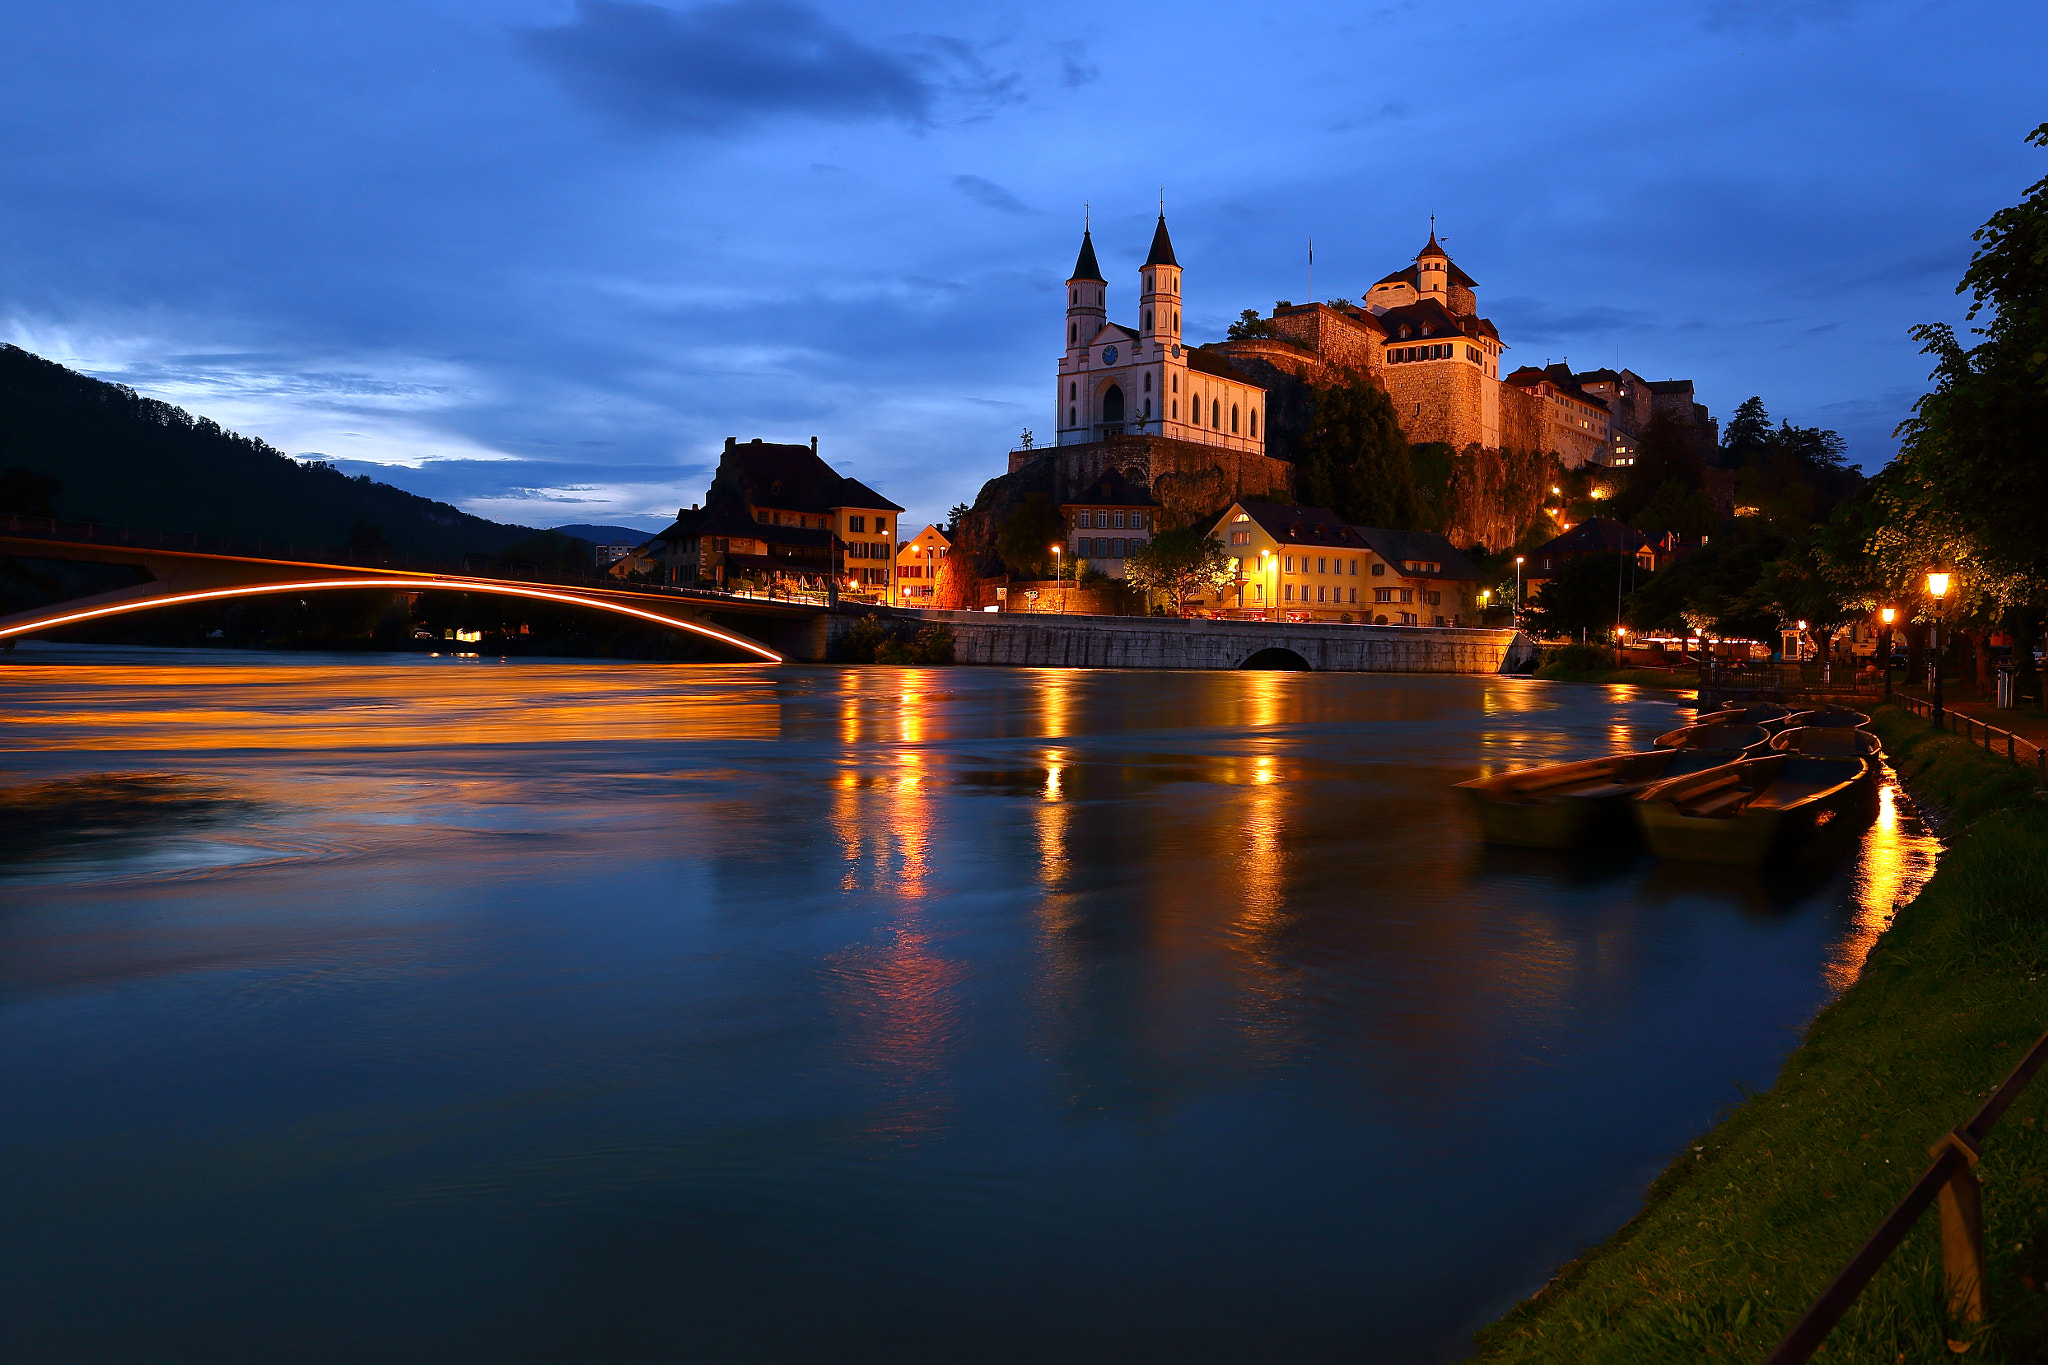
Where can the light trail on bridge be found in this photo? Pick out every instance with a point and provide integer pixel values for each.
(385, 584)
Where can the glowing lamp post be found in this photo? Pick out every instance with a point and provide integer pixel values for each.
(1937, 584)
(1518, 592)
(1058, 578)
(1884, 648)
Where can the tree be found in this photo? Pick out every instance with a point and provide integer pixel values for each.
(1661, 458)
(1026, 536)
(1747, 434)
(25, 493)
(1179, 565)
(1355, 460)
(953, 515)
(1248, 325)
(1584, 596)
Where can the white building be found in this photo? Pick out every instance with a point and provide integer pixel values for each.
(1115, 380)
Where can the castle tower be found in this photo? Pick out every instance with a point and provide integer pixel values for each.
(1086, 310)
(1432, 271)
(1159, 294)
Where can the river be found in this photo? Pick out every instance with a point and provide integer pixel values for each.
(414, 1009)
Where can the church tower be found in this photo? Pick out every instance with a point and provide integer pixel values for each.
(1433, 271)
(1087, 311)
(1159, 294)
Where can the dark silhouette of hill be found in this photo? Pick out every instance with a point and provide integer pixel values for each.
(606, 535)
(123, 459)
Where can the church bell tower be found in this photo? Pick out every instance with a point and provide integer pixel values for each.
(1087, 313)
(1159, 294)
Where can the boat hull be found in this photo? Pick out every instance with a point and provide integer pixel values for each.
(1754, 833)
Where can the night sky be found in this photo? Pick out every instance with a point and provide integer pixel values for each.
(541, 258)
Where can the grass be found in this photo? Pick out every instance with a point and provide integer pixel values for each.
(1749, 1223)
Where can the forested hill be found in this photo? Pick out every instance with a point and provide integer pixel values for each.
(128, 460)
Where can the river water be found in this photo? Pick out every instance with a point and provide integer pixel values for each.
(450, 1009)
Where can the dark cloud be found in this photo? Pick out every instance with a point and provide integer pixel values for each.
(1075, 68)
(989, 194)
(721, 65)
(1533, 319)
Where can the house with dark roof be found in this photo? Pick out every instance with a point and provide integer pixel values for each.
(1593, 536)
(1127, 511)
(778, 518)
(1309, 564)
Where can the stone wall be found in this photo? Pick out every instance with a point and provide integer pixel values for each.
(1168, 642)
(1440, 400)
(1191, 480)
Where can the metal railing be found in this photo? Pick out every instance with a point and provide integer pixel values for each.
(2027, 753)
(1951, 1179)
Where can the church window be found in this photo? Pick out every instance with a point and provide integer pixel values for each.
(1073, 334)
(1113, 404)
(1148, 407)
(1176, 319)
(1233, 419)
(1071, 390)
(1148, 319)
(1174, 410)
(1215, 412)
(1071, 420)
(1148, 383)
(1073, 297)
(1255, 422)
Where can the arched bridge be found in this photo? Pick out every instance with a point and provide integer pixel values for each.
(186, 568)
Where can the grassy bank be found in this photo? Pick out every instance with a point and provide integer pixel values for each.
(1742, 1231)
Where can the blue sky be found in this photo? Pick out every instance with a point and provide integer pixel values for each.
(540, 258)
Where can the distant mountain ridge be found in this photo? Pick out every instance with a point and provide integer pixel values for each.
(606, 535)
(129, 460)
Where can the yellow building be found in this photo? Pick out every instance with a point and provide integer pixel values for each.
(917, 566)
(1307, 564)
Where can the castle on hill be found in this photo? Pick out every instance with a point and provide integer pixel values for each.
(1418, 334)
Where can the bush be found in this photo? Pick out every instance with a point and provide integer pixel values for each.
(874, 640)
(1579, 658)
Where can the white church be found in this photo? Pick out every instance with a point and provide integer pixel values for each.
(1115, 381)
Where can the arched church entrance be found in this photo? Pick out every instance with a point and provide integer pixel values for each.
(1113, 405)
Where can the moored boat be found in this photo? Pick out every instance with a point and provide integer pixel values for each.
(1827, 741)
(1731, 739)
(1559, 805)
(1829, 718)
(1743, 812)
(1770, 715)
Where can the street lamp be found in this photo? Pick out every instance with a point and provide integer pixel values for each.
(1884, 648)
(1518, 592)
(1937, 584)
(1058, 578)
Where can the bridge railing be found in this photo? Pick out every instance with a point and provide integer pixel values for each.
(336, 556)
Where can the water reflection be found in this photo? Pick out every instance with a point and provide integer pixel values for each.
(634, 1003)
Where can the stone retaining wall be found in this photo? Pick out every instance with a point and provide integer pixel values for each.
(1047, 641)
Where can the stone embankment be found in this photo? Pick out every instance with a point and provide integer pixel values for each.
(1049, 641)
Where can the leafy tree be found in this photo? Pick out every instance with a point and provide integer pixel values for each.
(1583, 596)
(1179, 565)
(1355, 460)
(1248, 325)
(1675, 507)
(1026, 537)
(25, 493)
(1662, 458)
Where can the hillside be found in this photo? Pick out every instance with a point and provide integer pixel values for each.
(128, 460)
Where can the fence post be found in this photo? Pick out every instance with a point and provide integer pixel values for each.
(1962, 1232)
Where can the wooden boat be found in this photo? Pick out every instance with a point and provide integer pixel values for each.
(1558, 806)
(1827, 741)
(1770, 715)
(1829, 717)
(1743, 812)
(1732, 739)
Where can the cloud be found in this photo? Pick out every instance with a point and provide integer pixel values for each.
(1781, 16)
(1075, 68)
(1533, 319)
(990, 195)
(721, 65)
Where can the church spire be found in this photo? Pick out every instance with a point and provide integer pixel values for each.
(1162, 245)
(1085, 267)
